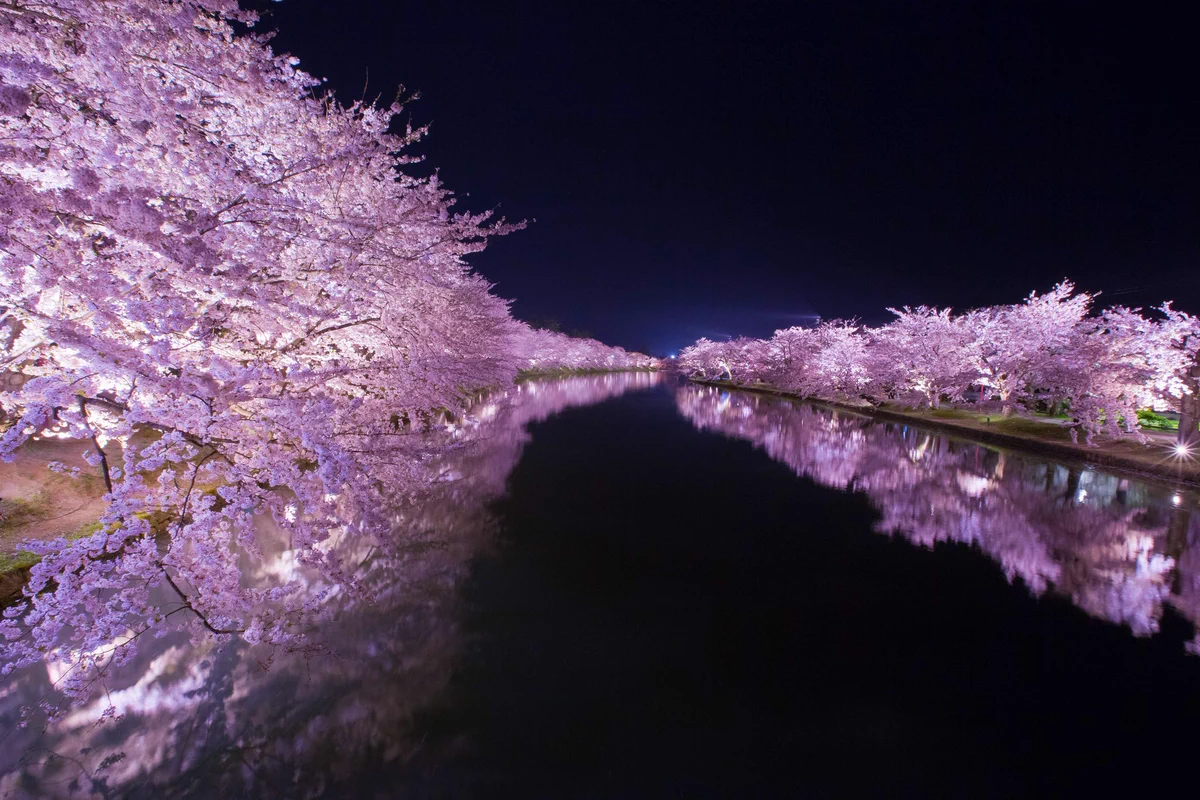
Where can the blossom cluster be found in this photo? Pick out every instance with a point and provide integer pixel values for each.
(231, 290)
(1049, 351)
(543, 351)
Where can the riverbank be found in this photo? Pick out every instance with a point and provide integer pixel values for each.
(38, 504)
(1049, 438)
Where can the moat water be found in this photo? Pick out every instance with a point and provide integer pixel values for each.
(637, 587)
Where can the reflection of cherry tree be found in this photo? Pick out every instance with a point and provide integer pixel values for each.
(204, 718)
(1076, 530)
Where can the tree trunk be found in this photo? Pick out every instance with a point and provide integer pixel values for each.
(1006, 403)
(1189, 411)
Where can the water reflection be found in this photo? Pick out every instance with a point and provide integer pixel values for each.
(198, 719)
(1119, 548)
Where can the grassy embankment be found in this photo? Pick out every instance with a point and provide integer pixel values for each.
(37, 504)
(1038, 433)
(41, 506)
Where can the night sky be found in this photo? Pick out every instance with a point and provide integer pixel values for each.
(730, 168)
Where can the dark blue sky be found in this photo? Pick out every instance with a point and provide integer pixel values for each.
(725, 168)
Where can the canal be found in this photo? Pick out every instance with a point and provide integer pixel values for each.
(637, 587)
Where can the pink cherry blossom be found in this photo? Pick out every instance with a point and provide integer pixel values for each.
(1047, 352)
(228, 288)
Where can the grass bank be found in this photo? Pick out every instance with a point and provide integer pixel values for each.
(15, 565)
(37, 504)
(1039, 434)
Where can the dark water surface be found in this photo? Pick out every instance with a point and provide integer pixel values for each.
(685, 592)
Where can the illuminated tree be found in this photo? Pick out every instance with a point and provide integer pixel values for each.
(541, 350)
(707, 359)
(1017, 346)
(925, 352)
(229, 288)
(1045, 352)
(1181, 385)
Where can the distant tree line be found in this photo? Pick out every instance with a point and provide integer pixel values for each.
(1049, 352)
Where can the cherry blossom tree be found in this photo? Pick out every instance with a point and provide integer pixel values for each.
(706, 359)
(790, 352)
(925, 352)
(1180, 385)
(841, 365)
(1109, 371)
(1017, 346)
(542, 351)
(229, 288)
(1046, 352)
